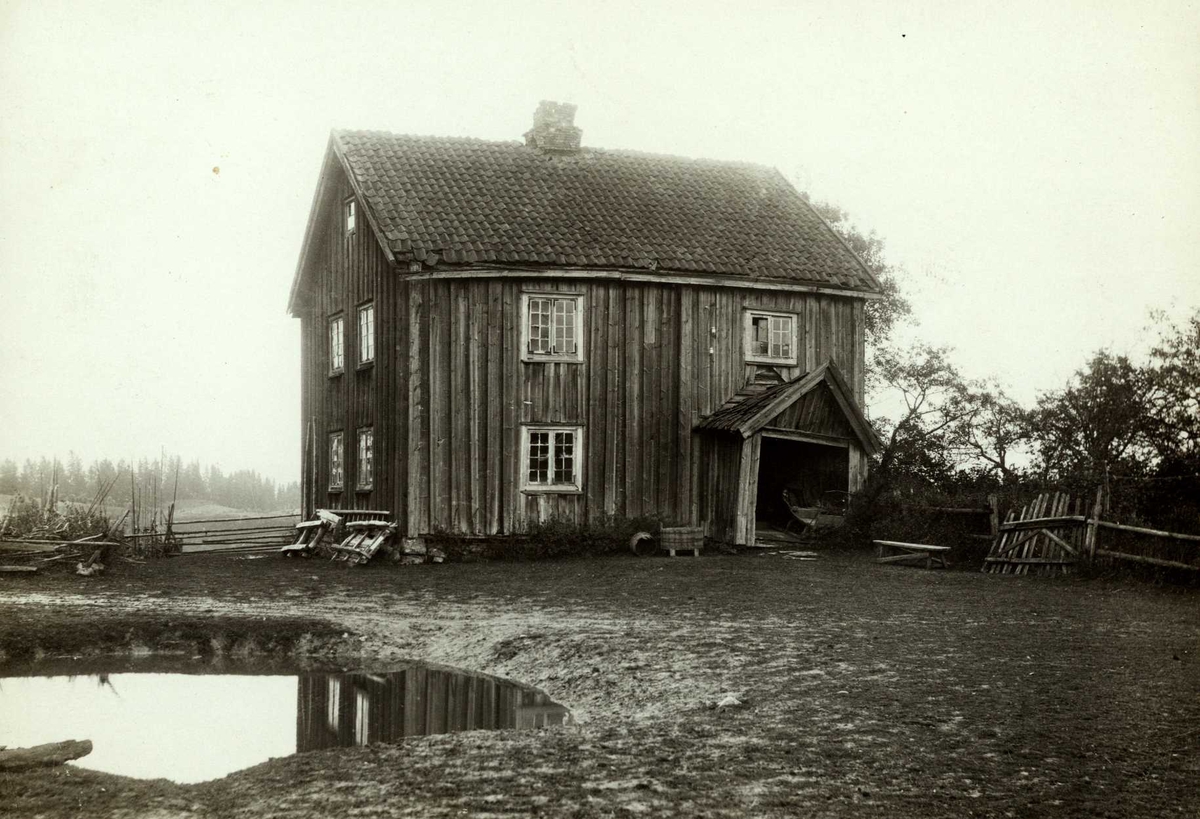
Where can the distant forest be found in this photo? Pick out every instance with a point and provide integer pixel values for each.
(151, 479)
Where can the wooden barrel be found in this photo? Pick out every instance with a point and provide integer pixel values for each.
(681, 537)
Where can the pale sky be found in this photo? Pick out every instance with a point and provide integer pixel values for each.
(1034, 166)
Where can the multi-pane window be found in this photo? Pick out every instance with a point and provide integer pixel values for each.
(366, 457)
(337, 463)
(771, 338)
(553, 327)
(350, 212)
(366, 333)
(337, 344)
(553, 458)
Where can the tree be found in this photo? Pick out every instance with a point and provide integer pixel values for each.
(1100, 420)
(74, 482)
(882, 315)
(10, 477)
(1175, 405)
(991, 429)
(919, 443)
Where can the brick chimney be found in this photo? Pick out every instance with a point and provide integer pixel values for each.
(554, 128)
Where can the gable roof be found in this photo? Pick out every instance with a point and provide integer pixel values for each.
(753, 408)
(458, 201)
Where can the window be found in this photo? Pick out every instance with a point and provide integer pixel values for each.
(553, 459)
(350, 211)
(553, 327)
(770, 337)
(337, 465)
(362, 718)
(337, 345)
(333, 702)
(366, 333)
(366, 457)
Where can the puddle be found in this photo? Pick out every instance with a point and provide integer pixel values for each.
(194, 727)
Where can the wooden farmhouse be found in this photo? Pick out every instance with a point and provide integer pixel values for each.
(497, 333)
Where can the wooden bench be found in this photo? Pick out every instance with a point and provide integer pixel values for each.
(894, 551)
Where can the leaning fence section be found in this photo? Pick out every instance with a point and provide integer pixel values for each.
(1044, 537)
(1055, 532)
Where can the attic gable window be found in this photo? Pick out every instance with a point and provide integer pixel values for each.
(770, 338)
(337, 345)
(350, 213)
(553, 459)
(552, 329)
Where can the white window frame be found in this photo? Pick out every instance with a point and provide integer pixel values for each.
(366, 334)
(553, 296)
(575, 486)
(748, 337)
(350, 215)
(365, 435)
(337, 461)
(337, 344)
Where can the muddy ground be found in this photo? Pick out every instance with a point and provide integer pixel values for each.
(870, 691)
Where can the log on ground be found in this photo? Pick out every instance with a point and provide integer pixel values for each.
(52, 753)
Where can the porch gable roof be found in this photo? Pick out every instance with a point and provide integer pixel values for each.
(749, 412)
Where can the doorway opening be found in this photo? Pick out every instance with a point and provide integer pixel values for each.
(801, 486)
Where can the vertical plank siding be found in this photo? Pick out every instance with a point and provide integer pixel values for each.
(449, 393)
(350, 271)
(647, 377)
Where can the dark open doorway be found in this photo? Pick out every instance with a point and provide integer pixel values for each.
(814, 474)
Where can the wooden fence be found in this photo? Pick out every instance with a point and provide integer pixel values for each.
(248, 534)
(1056, 532)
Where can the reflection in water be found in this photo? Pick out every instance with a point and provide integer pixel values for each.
(195, 727)
(355, 709)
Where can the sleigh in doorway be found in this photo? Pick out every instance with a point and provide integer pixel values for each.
(811, 520)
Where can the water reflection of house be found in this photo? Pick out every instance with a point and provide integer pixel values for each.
(354, 709)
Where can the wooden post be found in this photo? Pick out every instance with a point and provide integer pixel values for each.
(994, 517)
(1092, 525)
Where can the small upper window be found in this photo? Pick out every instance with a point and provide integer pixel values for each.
(350, 211)
(553, 327)
(337, 345)
(366, 333)
(337, 469)
(770, 338)
(366, 457)
(553, 459)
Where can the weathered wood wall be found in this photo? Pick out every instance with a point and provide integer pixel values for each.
(647, 377)
(348, 272)
(448, 393)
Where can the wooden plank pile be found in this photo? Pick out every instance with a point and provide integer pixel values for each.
(311, 533)
(366, 538)
(364, 533)
(1046, 537)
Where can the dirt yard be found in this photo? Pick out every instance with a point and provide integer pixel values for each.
(869, 691)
